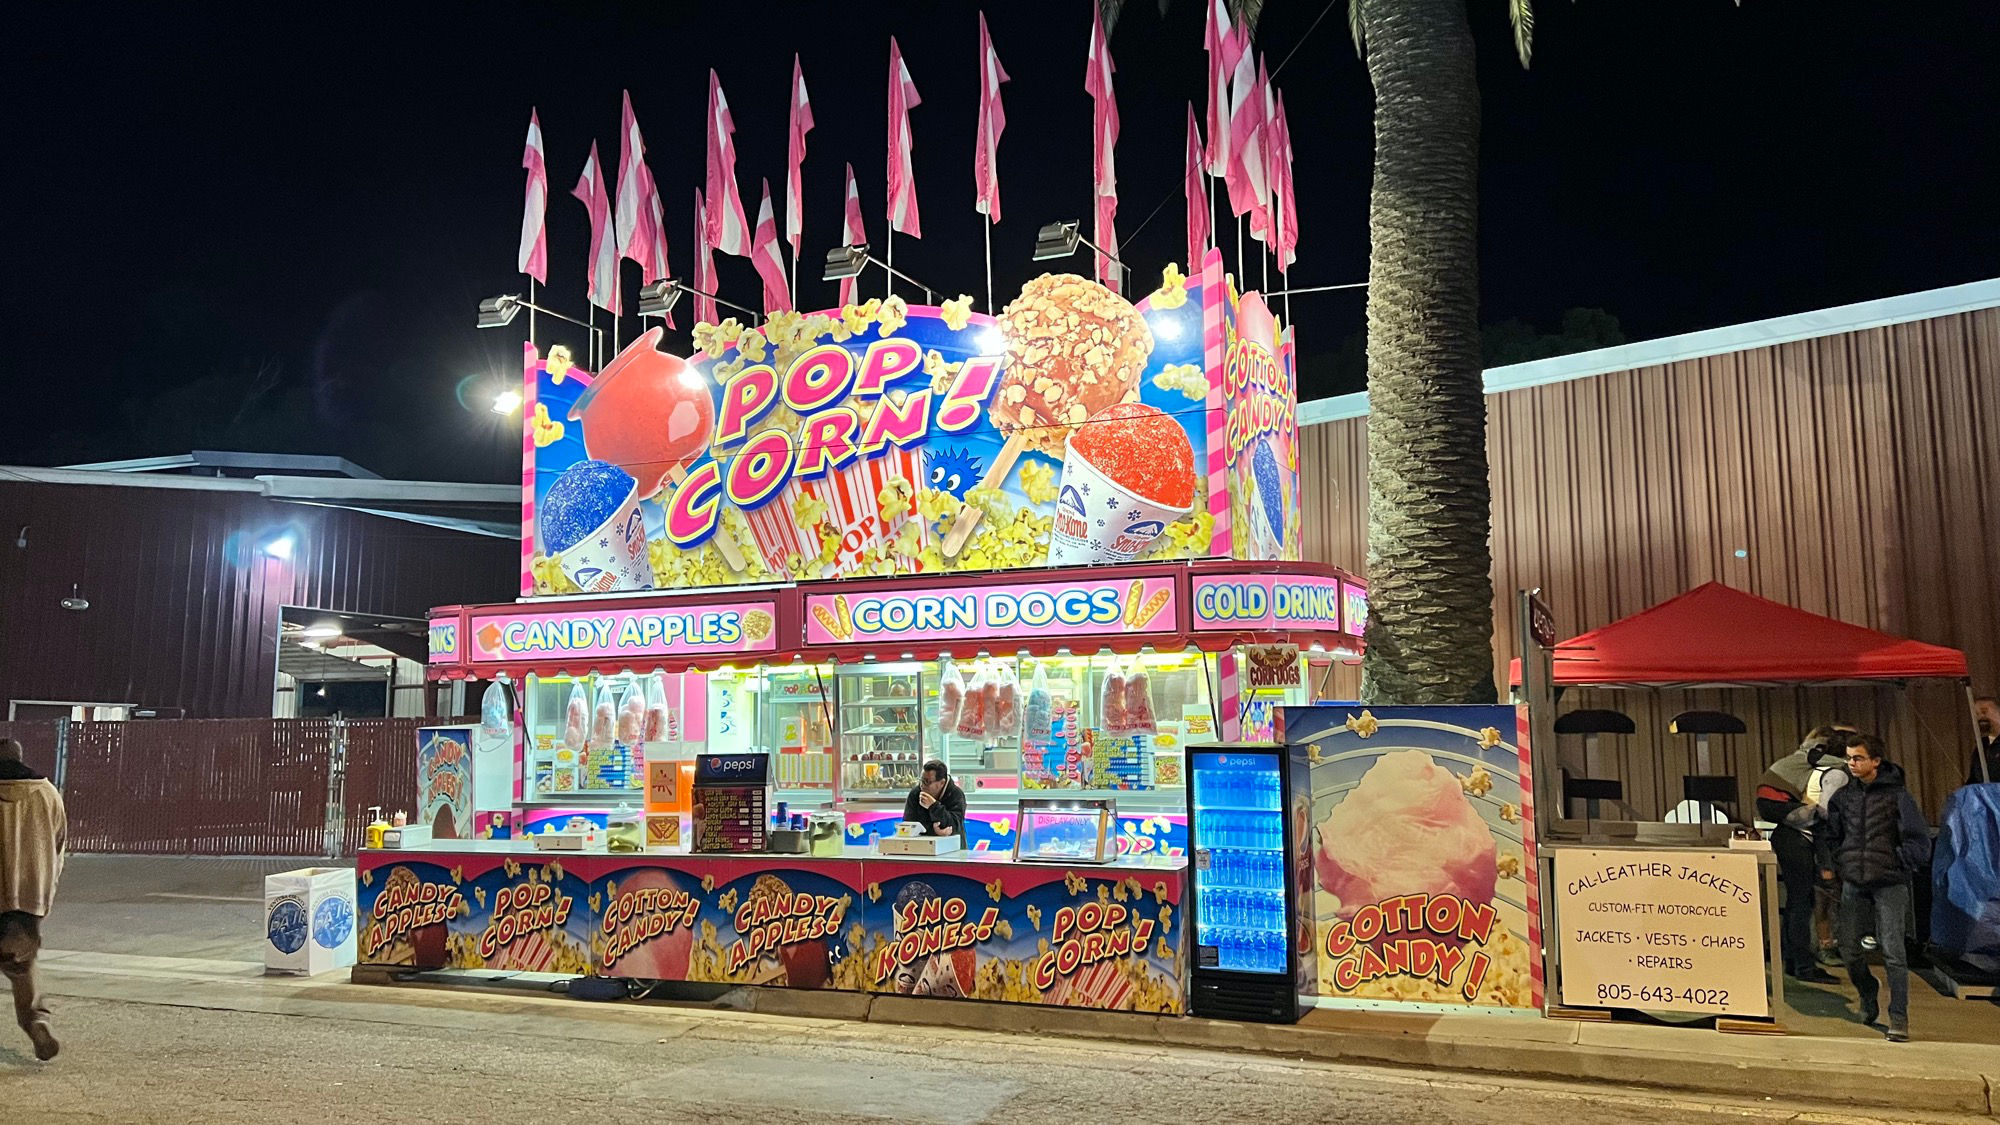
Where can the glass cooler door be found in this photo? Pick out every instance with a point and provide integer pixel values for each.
(1243, 965)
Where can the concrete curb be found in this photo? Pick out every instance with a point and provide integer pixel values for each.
(1954, 1078)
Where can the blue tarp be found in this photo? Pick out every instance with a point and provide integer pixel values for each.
(1965, 874)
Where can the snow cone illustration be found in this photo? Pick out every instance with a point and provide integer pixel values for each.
(1270, 491)
(1128, 473)
(590, 522)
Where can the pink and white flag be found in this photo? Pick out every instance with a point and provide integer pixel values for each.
(534, 254)
(801, 124)
(1103, 139)
(992, 123)
(1284, 205)
(765, 256)
(704, 266)
(1226, 44)
(728, 230)
(603, 241)
(902, 172)
(852, 233)
(660, 267)
(1197, 197)
(634, 217)
(1249, 165)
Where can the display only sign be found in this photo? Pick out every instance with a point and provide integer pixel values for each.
(1266, 602)
(1679, 931)
(733, 627)
(1103, 607)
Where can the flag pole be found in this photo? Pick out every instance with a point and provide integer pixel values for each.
(590, 312)
(531, 308)
(986, 228)
(889, 282)
(795, 278)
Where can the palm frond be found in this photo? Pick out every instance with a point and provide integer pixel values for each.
(1354, 28)
(1108, 11)
(1523, 14)
(1247, 13)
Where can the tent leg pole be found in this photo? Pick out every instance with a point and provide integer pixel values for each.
(1978, 744)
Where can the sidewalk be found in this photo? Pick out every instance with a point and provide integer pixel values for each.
(185, 933)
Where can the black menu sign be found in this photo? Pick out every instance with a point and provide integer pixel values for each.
(730, 794)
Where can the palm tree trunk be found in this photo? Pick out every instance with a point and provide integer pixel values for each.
(1430, 626)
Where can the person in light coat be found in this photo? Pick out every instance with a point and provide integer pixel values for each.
(34, 831)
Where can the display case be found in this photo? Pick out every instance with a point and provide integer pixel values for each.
(795, 724)
(1066, 830)
(881, 734)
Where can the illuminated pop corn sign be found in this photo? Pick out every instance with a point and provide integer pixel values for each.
(1073, 427)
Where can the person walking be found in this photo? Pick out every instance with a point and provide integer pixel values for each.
(1876, 840)
(34, 831)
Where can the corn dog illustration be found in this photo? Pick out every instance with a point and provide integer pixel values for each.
(1151, 609)
(1132, 597)
(829, 622)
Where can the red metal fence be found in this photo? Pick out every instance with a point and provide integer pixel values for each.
(224, 786)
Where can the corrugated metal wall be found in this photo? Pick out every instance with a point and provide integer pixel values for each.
(1857, 474)
(184, 606)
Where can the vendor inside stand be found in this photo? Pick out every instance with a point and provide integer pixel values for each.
(936, 802)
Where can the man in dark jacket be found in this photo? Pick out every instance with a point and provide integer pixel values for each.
(937, 802)
(1876, 840)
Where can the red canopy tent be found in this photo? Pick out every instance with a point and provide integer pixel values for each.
(1719, 636)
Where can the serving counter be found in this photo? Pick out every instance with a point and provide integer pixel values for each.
(975, 924)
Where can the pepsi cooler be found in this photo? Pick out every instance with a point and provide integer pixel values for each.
(1252, 912)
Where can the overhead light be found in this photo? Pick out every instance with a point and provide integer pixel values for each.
(507, 402)
(323, 630)
(321, 692)
(659, 298)
(280, 547)
(499, 312)
(843, 262)
(1056, 240)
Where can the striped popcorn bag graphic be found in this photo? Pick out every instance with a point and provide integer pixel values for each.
(775, 530)
(1098, 986)
(853, 498)
(533, 953)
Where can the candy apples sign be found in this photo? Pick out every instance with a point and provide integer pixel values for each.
(884, 438)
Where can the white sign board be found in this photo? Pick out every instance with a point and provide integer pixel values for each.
(1661, 931)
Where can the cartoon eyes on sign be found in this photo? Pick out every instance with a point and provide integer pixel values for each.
(953, 470)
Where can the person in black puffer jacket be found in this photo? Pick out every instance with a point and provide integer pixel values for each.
(1876, 840)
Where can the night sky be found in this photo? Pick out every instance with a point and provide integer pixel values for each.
(268, 229)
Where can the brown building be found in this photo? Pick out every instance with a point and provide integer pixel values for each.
(231, 585)
(1846, 462)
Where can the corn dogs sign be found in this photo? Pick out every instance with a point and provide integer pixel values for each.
(1033, 609)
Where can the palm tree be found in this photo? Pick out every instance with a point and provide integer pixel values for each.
(1430, 563)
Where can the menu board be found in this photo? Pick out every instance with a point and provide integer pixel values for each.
(1678, 931)
(730, 796)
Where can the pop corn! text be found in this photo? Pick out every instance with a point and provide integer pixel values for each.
(1087, 934)
(826, 388)
(520, 910)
